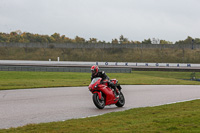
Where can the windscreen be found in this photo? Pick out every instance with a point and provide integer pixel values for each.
(94, 80)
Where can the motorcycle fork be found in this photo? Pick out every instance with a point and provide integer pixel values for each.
(99, 94)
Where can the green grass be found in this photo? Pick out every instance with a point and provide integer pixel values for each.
(161, 55)
(24, 80)
(17, 80)
(179, 117)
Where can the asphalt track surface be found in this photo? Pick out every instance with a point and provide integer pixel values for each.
(26, 106)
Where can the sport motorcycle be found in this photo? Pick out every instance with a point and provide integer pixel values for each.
(104, 95)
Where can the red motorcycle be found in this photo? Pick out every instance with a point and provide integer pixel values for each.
(104, 95)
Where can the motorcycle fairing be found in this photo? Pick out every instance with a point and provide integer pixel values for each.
(109, 95)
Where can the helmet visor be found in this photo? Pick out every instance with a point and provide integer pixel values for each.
(93, 72)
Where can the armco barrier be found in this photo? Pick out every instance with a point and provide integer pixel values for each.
(61, 69)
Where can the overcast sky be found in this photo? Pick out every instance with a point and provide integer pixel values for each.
(171, 20)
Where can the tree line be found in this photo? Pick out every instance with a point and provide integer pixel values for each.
(26, 37)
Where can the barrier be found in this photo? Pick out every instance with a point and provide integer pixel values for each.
(62, 69)
(75, 66)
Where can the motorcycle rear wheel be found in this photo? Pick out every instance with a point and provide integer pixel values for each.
(121, 101)
(99, 103)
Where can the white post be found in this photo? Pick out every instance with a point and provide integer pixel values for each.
(58, 59)
(49, 59)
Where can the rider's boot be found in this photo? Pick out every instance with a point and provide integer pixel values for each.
(116, 92)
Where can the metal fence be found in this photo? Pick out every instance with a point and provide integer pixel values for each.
(74, 45)
(62, 69)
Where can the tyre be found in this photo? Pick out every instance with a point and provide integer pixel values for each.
(121, 101)
(98, 103)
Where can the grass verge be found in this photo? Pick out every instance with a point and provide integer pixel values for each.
(179, 117)
(137, 54)
(24, 80)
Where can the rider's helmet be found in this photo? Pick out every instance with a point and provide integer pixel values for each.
(95, 70)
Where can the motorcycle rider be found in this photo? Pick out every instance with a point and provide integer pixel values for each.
(97, 73)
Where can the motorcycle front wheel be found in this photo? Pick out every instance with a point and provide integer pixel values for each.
(121, 101)
(99, 103)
